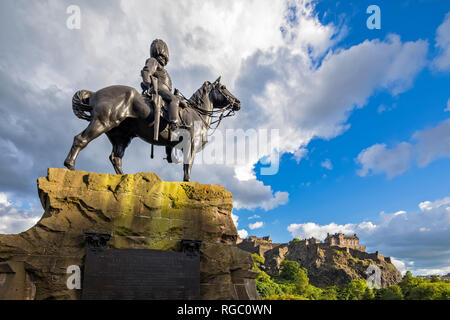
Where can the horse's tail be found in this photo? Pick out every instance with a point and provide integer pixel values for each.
(81, 105)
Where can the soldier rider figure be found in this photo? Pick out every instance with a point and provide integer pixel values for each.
(154, 75)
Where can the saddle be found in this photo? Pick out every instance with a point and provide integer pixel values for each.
(161, 109)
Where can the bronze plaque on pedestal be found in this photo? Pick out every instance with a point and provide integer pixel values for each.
(140, 274)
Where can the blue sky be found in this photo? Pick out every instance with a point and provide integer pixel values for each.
(362, 110)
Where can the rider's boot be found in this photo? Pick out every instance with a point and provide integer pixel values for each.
(173, 116)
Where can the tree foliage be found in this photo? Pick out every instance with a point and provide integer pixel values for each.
(293, 284)
(390, 293)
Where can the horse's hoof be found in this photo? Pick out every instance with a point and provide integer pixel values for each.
(69, 166)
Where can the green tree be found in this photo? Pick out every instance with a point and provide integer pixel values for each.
(369, 294)
(354, 290)
(258, 261)
(408, 283)
(330, 293)
(266, 286)
(288, 287)
(430, 291)
(289, 270)
(302, 282)
(314, 293)
(393, 292)
(435, 279)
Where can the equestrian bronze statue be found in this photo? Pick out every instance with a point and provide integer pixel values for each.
(156, 115)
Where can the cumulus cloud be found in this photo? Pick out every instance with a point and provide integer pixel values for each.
(242, 233)
(425, 146)
(433, 143)
(300, 154)
(305, 99)
(311, 229)
(442, 61)
(400, 265)
(253, 194)
(13, 218)
(419, 239)
(378, 158)
(256, 225)
(235, 219)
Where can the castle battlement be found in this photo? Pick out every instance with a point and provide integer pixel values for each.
(262, 245)
(349, 243)
(257, 245)
(344, 241)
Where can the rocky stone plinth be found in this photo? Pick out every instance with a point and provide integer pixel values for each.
(140, 212)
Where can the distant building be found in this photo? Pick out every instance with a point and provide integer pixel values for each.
(344, 241)
(257, 245)
(349, 243)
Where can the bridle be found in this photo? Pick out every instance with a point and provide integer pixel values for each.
(218, 113)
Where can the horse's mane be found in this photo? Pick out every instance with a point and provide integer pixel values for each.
(195, 99)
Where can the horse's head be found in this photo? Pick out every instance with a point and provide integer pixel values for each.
(222, 98)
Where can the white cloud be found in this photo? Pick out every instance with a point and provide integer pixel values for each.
(327, 164)
(254, 194)
(4, 200)
(429, 206)
(311, 229)
(255, 216)
(242, 233)
(256, 225)
(14, 219)
(419, 240)
(399, 264)
(431, 271)
(442, 61)
(300, 154)
(235, 219)
(378, 158)
(433, 143)
(426, 146)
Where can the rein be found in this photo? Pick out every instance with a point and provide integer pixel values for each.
(212, 113)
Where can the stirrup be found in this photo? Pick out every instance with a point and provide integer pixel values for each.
(173, 125)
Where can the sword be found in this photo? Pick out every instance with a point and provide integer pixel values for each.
(157, 101)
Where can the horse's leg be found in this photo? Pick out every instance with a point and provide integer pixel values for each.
(119, 146)
(187, 168)
(116, 158)
(187, 172)
(192, 147)
(80, 141)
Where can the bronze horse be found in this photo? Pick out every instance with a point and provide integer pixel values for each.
(122, 113)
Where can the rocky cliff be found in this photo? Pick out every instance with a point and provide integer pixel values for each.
(140, 212)
(327, 265)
